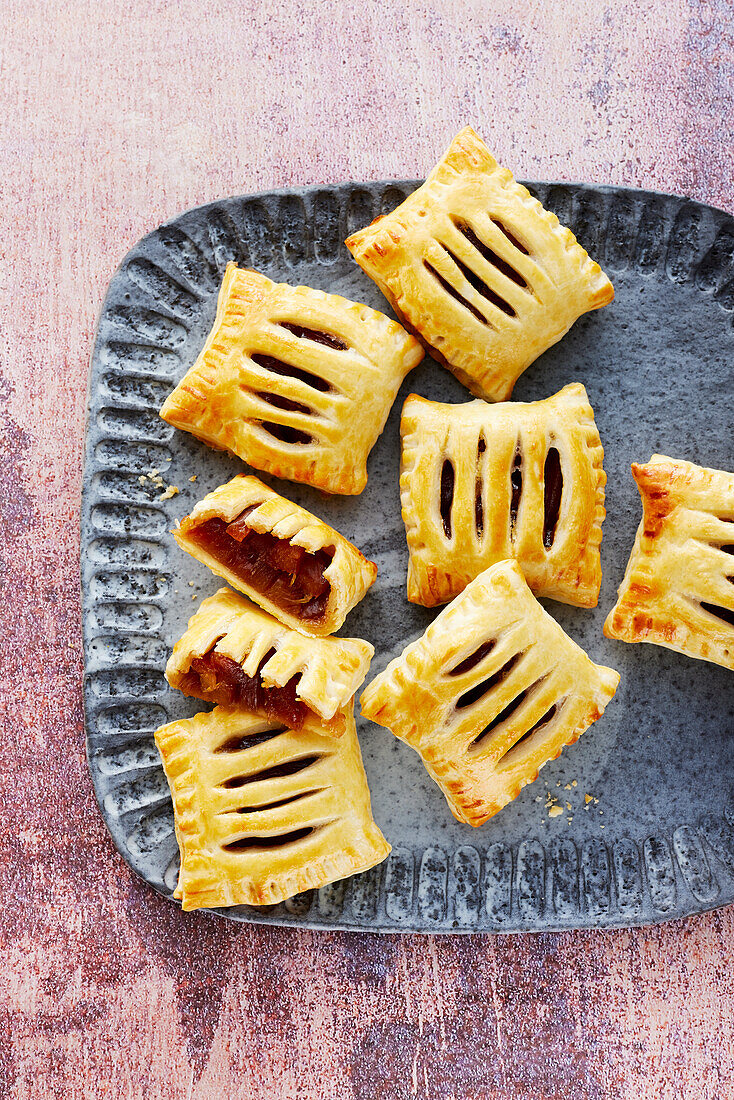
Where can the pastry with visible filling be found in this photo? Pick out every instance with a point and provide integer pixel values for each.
(235, 654)
(490, 693)
(678, 590)
(479, 270)
(299, 569)
(294, 381)
(263, 812)
(482, 483)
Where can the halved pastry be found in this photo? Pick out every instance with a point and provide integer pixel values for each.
(493, 690)
(233, 653)
(480, 483)
(678, 589)
(294, 381)
(479, 270)
(299, 569)
(262, 812)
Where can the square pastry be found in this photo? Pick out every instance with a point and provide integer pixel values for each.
(294, 381)
(678, 590)
(481, 483)
(479, 270)
(490, 693)
(235, 654)
(299, 569)
(263, 812)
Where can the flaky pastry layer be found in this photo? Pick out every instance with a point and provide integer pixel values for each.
(502, 502)
(294, 381)
(474, 265)
(262, 814)
(329, 670)
(490, 693)
(349, 574)
(678, 589)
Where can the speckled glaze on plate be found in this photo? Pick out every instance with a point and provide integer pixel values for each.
(656, 840)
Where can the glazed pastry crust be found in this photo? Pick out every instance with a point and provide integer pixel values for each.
(329, 796)
(330, 669)
(349, 574)
(481, 442)
(422, 695)
(553, 281)
(677, 563)
(343, 412)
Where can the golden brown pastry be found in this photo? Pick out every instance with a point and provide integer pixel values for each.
(481, 483)
(294, 381)
(262, 812)
(299, 569)
(233, 653)
(678, 590)
(493, 690)
(479, 270)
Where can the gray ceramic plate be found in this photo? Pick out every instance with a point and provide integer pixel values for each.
(657, 839)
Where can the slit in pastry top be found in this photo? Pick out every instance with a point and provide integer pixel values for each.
(235, 654)
(283, 557)
(294, 381)
(474, 265)
(264, 812)
(482, 483)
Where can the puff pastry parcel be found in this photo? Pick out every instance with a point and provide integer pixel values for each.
(299, 569)
(678, 590)
(479, 270)
(263, 813)
(491, 692)
(480, 483)
(233, 653)
(294, 381)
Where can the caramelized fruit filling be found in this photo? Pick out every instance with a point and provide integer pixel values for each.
(447, 495)
(326, 338)
(288, 575)
(552, 492)
(218, 679)
(515, 490)
(480, 690)
(479, 284)
(479, 490)
(454, 293)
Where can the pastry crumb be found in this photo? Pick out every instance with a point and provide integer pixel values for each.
(574, 783)
(567, 787)
(569, 806)
(193, 477)
(551, 805)
(154, 475)
(171, 491)
(588, 798)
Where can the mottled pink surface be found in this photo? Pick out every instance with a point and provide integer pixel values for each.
(115, 117)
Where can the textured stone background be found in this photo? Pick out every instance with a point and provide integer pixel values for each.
(115, 117)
